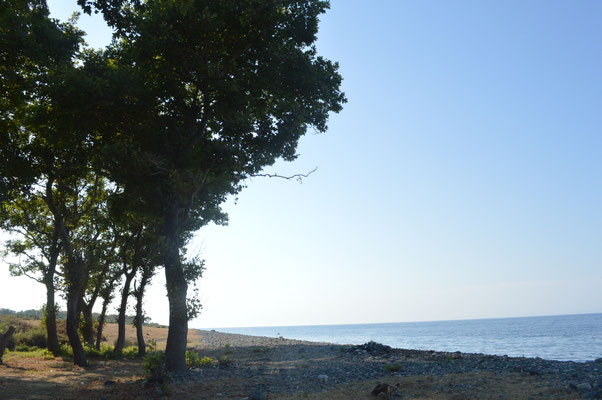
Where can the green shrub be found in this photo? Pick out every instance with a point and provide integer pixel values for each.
(393, 367)
(154, 367)
(194, 361)
(206, 361)
(260, 349)
(24, 347)
(35, 337)
(224, 361)
(152, 345)
(227, 349)
(47, 354)
(65, 350)
(130, 351)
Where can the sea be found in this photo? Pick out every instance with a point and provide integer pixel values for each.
(560, 337)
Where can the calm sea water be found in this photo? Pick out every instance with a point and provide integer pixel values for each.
(564, 337)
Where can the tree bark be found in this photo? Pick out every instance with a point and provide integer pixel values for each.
(73, 313)
(175, 351)
(125, 293)
(88, 327)
(4, 339)
(139, 332)
(146, 274)
(53, 339)
(101, 321)
(77, 278)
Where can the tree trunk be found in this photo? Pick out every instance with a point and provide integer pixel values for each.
(53, 339)
(88, 327)
(73, 313)
(4, 339)
(175, 351)
(139, 332)
(101, 321)
(125, 293)
(146, 274)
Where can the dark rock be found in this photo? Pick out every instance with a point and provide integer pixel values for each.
(108, 383)
(372, 348)
(382, 388)
(258, 395)
(593, 395)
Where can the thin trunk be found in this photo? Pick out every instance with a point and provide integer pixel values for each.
(73, 313)
(88, 327)
(101, 321)
(53, 338)
(146, 274)
(125, 293)
(139, 323)
(77, 278)
(175, 351)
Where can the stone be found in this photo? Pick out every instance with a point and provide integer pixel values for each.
(108, 383)
(323, 378)
(584, 386)
(382, 388)
(258, 395)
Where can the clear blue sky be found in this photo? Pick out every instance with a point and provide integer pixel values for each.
(462, 180)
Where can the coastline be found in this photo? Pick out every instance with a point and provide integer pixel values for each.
(289, 368)
(264, 368)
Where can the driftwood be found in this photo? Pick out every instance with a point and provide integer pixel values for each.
(4, 339)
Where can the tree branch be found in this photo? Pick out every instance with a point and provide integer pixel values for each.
(297, 177)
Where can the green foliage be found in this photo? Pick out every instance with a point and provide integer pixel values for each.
(35, 337)
(154, 367)
(393, 367)
(194, 361)
(260, 349)
(47, 354)
(24, 347)
(65, 351)
(151, 345)
(227, 349)
(23, 351)
(224, 361)
(130, 352)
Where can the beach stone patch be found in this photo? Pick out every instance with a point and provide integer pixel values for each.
(295, 366)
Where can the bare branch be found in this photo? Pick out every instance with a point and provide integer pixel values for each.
(297, 177)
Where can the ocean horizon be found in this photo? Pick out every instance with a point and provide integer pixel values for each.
(573, 337)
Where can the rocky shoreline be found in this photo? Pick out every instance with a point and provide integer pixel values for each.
(266, 368)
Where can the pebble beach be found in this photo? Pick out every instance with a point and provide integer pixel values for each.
(273, 368)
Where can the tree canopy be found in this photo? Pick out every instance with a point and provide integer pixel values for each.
(190, 99)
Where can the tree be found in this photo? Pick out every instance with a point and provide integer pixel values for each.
(216, 91)
(38, 243)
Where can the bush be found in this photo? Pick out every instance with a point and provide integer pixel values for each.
(35, 337)
(65, 350)
(224, 361)
(24, 347)
(154, 367)
(394, 367)
(227, 349)
(130, 351)
(194, 361)
(47, 354)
